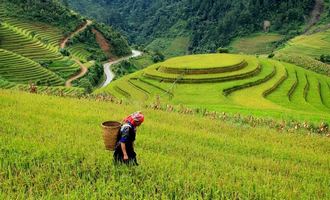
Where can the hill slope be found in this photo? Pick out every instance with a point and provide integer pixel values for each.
(61, 154)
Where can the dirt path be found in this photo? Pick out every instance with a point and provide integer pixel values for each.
(83, 69)
(82, 72)
(315, 15)
(65, 40)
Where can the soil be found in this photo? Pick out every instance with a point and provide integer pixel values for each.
(103, 43)
(82, 72)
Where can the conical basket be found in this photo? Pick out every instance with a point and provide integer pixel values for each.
(110, 134)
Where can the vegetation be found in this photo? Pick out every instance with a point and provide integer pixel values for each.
(229, 83)
(16, 68)
(207, 24)
(313, 45)
(123, 68)
(87, 41)
(210, 159)
(305, 62)
(261, 43)
(50, 12)
(30, 36)
(92, 77)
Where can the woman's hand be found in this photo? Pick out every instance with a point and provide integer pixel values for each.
(125, 157)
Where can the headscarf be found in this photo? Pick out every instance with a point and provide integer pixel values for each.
(134, 118)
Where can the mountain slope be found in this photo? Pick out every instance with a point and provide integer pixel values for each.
(209, 24)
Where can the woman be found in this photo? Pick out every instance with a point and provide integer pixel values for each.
(124, 150)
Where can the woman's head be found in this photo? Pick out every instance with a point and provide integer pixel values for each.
(135, 119)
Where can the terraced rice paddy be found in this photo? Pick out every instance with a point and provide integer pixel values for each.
(48, 35)
(230, 83)
(313, 45)
(18, 69)
(18, 42)
(33, 43)
(79, 51)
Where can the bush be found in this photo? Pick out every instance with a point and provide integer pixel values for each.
(271, 55)
(325, 58)
(158, 57)
(222, 50)
(64, 52)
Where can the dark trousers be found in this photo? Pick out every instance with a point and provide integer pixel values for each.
(119, 158)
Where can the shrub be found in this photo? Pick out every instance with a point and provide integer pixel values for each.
(222, 50)
(158, 57)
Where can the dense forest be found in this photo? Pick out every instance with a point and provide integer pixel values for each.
(209, 24)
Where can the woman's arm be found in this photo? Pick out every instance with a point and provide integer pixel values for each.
(123, 148)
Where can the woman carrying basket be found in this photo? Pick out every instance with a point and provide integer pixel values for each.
(124, 150)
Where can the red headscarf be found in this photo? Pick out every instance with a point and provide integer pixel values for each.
(135, 118)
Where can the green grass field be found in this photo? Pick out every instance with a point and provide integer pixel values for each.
(170, 47)
(261, 87)
(310, 45)
(259, 43)
(61, 155)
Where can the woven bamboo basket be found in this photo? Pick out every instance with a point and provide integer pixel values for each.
(110, 134)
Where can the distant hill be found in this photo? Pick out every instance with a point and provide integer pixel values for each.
(207, 24)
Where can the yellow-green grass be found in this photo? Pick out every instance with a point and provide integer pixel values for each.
(45, 33)
(52, 90)
(4, 84)
(304, 61)
(52, 153)
(64, 68)
(18, 69)
(79, 51)
(203, 61)
(26, 46)
(313, 45)
(260, 43)
(170, 47)
(246, 95)
(252, 68)
(142, 61)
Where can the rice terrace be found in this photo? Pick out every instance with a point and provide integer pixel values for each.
(164, 99)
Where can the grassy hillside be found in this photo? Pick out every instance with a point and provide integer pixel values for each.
(230, 83)
(310, 45)
(260, 43)
(307, 50)
(61, 155)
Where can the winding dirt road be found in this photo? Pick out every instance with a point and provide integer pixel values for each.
(65, 40)
(83, 69)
